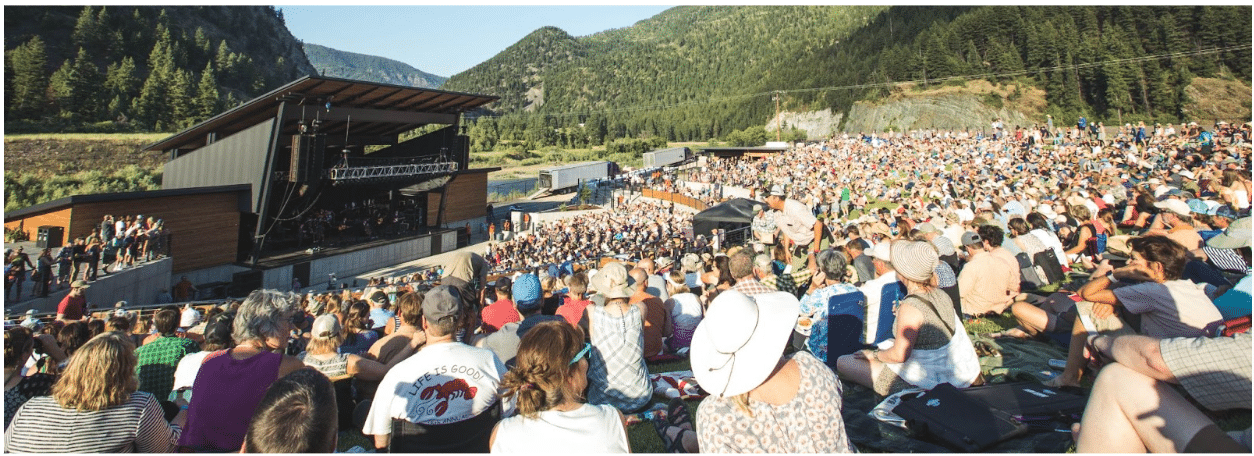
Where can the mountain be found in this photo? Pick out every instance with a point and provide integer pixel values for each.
(350, 65)
(140, 68)
(692, 73)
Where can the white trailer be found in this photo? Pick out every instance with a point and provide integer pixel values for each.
(666, 157)
(557, 179)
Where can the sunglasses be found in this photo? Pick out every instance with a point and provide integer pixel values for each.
(587, 348)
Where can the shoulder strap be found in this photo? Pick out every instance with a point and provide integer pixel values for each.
(947, 325)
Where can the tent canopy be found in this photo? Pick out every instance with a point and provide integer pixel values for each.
(730, 215)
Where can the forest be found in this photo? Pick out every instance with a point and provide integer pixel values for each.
(687, 75)
(140, 69)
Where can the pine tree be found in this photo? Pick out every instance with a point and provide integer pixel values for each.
(121, 85)
(76, 89)
(86, 30)
(182, 112)
(207, 100)
(28, 65)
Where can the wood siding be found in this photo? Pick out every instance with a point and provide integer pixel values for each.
(467, 198)
(60, 217)
(204, 228)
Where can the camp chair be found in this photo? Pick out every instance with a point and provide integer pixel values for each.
(882, 329)
(846, 320)
(470, 436)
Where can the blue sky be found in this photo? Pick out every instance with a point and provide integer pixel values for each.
(446, 40)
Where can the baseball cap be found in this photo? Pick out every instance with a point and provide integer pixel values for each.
(971, 238)
(527, 292)
(325, 327)
(1224, 211)
(777, 190)
(882, 252)
(441, 302)
(1174, 205)
(1237, 235)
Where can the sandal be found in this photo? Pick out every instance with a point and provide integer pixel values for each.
(677, 413)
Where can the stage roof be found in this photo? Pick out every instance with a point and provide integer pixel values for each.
(372, 109)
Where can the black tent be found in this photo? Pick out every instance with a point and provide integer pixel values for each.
(733, 214)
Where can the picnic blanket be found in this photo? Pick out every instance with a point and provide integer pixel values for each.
(679, 384)
(1018, 360)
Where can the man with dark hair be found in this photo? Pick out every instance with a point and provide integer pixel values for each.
(988, 283)
(159, 358)
(297, 415)
(862, 264)
(1149, 286)
(447, 382)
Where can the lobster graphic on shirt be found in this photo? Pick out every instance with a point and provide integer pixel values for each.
(447, 391)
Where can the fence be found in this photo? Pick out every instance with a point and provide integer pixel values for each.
(499, 191)
(674, 198)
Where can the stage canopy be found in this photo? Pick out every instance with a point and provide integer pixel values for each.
(730, 215)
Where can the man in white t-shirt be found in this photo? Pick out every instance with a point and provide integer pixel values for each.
(445, 382)
(874, 289)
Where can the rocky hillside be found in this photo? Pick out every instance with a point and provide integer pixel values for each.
(351, 65)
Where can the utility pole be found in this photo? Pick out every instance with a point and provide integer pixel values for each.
(778, 125)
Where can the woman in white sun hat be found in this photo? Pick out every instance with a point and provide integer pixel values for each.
(761, 400)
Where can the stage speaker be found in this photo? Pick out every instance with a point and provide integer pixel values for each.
(308, 152)
(49, 236)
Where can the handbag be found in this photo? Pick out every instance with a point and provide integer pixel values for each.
(945, 415)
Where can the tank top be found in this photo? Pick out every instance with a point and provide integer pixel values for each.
(617, 374)
(336, 366)
(227, 392)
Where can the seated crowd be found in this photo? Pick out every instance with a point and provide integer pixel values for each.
(555, 357)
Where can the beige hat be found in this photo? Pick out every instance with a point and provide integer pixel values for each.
(613, 281)
(915, 260)
(325, 327)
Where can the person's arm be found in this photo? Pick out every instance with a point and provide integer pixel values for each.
(367, 369)
(51, 347)
(909, 320)
(1139, 353)
(154, 434)
(1083, 242)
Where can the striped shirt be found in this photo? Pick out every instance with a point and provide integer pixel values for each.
(43, 426)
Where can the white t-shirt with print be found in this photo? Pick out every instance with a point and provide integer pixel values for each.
(442, 383)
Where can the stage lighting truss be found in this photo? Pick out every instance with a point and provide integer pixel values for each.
(364, 174)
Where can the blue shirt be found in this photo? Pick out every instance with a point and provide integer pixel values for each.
(379, 317)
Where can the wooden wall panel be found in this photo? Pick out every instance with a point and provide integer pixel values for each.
(468, 199)
(31, 225)
(204, 228)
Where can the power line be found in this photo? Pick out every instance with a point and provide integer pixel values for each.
(658, 107)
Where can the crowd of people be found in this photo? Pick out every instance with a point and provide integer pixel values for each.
(871, 256)
(115, 244)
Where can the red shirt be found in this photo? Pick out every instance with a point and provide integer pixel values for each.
(498, 314)
(572, 310)
(73, 307)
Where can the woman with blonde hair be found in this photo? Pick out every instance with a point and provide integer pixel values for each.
(685, 309)
(95, 408)
(547, 385)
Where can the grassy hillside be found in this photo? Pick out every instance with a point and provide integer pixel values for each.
(45, 167)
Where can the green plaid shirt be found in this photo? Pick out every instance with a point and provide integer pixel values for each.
(788, 282)
(157, 362)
